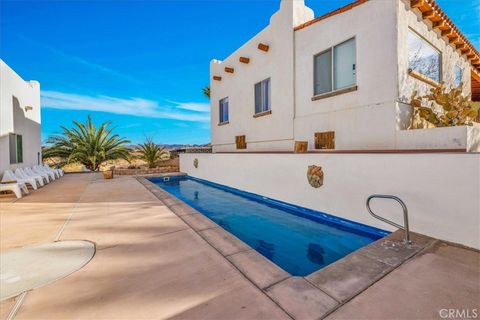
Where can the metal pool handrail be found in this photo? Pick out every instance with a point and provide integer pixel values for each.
(405, 214)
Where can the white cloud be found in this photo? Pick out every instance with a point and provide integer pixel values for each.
(185, 111)
(62, 56)
(192, 106)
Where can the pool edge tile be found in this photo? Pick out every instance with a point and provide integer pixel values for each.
(301, 299)
(349, 276)
(225, 242)
(261, 271)
(391, 249)
(198, 222)
(183, 209)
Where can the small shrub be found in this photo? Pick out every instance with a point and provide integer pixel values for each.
(151, 153)
(442, 108)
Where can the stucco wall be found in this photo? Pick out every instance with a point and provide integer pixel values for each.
(362, 119)
(411, 20)
(461, 137)
(276, 64)
(442, 191)
(366, 119)
(15, 119)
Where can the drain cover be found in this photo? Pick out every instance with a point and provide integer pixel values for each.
(35, 266)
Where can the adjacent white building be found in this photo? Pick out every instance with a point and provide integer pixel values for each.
(20, 136)
(345, 77)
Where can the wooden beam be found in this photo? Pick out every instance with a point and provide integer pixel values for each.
(244, 60)
(465, 51)
(447, 32)
(475, 75)
(217, 78)
(263, 47)
(428, 14)
(470, 55)
(416, 3)
(439, 24)
(460, 46)
(421, 77)
(229, 70)
(300, 147)
(241, 142)
(453, 39)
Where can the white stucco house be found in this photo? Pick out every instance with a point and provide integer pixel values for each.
(20, 135)
(342, 82)
(345, 77)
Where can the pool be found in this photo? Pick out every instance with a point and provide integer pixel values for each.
(298, 240)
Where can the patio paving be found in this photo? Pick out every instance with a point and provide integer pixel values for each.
(148, 264)
(151, 263)
(442, 277)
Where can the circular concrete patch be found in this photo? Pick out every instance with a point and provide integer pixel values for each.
(35, 266)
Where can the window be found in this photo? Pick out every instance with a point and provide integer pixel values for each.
(335, 68)
(458, 76)
(15, 148)
(223, 110)
(423, 57)
(262, 96)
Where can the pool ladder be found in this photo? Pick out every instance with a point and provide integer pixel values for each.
(405, 214)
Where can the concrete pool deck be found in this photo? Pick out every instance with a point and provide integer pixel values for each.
(151, 263)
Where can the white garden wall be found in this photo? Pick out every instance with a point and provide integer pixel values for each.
(460, 137)
(441, 190)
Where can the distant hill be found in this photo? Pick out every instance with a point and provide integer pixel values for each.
(180, 146)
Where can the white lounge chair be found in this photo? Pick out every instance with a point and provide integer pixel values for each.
(24, 175)
(59, 172)
(15, 188)
(45, 177)
(50, 170)
(9, 176)
(40, 169)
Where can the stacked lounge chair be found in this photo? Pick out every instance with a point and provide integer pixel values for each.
(23, 174)
(16, 188)
(34, 177)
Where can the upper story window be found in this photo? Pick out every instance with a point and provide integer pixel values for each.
(223, 105)
(16, 148)
(423, 57)
(458, 76)
(335, 68)
(262, 96)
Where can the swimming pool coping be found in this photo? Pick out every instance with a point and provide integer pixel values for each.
(319, 293)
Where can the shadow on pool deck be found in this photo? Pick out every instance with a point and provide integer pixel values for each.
(152, 264)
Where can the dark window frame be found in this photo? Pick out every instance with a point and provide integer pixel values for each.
(264, 105)
(15, 142)
(431, 45)
(332, 68)
(223, 108)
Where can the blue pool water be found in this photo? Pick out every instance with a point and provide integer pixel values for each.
(298, 240)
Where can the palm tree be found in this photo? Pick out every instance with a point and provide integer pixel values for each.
(87, 144)
(206, 91)
(151, 153)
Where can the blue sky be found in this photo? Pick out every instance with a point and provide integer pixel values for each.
(142, 64)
